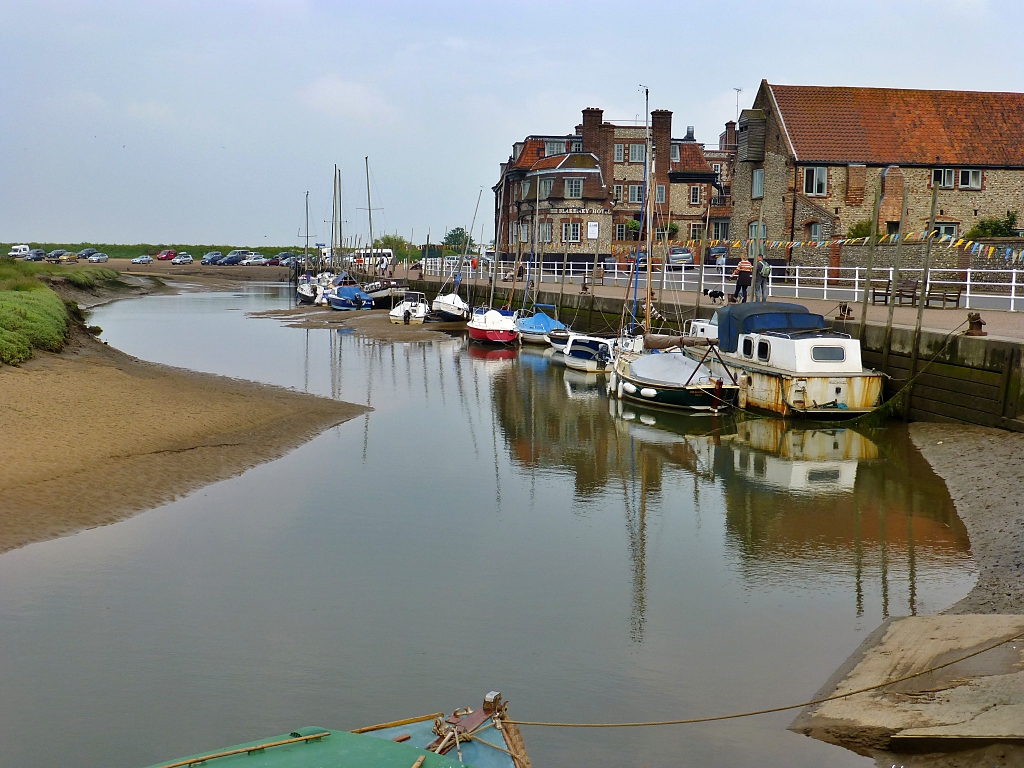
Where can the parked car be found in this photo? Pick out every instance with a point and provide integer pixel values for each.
(166, 255)
(230, 260)
(714, 252)
(54, 255)
(273, 261)
(289, 261)
(212, 257)
(19, 251)
(144, 259)
(253, 260)
(85, 253)
(98, 258)
(68, 257)
(679, 258)
(36, 254)
(182, 258)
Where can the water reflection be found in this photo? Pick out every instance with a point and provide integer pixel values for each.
(804, 504)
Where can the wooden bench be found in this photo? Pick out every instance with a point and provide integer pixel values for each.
(944, 293)
(905, 290)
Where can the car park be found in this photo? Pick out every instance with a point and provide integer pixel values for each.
(97, 258)
(54, 255)
(182, 258)
(36, 254)
(289, 261)
(230, 260)
(19, 251)
(212, 257)
(166, 255)
(144, 259)
(69, 257)
(85, 253)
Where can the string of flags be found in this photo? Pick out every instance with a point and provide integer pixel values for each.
(1010, 255)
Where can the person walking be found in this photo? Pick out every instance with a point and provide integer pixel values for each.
(762, 271)
(742, 273)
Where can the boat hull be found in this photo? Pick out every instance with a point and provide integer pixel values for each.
(692, 397)
(492, 336)
(533, 338)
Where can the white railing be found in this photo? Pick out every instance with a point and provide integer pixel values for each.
(979, 288)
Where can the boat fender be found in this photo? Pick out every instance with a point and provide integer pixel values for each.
(648, 392)
(613, 381)
(618, 390)
(629, 388)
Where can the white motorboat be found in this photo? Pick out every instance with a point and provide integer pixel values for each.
(412, 310)
(592, 354)
(451, 308)
(787, 361)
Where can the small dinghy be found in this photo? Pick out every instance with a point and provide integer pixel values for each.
(558, 338)
(535, 328)
(588, 353)
(412, 310)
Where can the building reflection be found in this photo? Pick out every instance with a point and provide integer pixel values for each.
(797, 498)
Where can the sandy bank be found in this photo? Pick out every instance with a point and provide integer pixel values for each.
(93, 435)
(372, 324)
(984, 472)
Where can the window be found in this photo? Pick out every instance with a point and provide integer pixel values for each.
(752, 238)
(675, 153)
(764, 350)
(524, 232)
(696, 231)
(545, 186)
(946, 229)
(892, 227)
(577, 146)
(617, 190)
(816, 181)
(814, 231)
(717, 168)
(748, 347)
(636, 153)
(828, 354)
(660, 233)
(757, 184)
(943, 177)
(970, 179)
(571, 232)
(694, 195)
(513, 231)
(720, 230)
(554, 148)
(659, 194)
(620, 153)
(574, 188)
(620, 231)
(544, 231)
(526, 190)
(635, 193)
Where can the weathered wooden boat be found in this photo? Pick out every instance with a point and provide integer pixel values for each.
(787, 360)
(494, 326)
(588, 353)
(534, 329)
(412, 310)
(670, 379)
(480, 738)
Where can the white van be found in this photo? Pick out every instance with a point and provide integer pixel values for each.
(18, 251)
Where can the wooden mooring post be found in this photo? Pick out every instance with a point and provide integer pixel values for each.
(915, 351)
(887, 343)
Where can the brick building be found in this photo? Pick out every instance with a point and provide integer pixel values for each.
(810, 159)
(586, 187)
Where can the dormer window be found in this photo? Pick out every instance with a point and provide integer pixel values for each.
(526, 190)
(554, 148)
(577, 146)
(574, 188)
(816, 181)
(675, 153)
(545, 187)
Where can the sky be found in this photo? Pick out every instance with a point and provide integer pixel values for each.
(207, 122)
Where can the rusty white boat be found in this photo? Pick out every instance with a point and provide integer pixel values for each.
(787, 360)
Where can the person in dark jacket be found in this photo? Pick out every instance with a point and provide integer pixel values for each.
(743, 273)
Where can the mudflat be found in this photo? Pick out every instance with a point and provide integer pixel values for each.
(92, 436)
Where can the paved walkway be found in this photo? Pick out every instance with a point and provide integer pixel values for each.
(999, 323)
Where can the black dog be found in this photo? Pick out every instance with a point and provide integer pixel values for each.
(715, 296)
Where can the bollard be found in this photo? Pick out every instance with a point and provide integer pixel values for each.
(975, 323)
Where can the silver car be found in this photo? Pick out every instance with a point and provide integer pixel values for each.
(98, 258)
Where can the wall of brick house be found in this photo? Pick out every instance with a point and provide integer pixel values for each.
(942, 257)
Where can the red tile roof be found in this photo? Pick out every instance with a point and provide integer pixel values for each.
(691, 158)
(902, 127)
(532, 150)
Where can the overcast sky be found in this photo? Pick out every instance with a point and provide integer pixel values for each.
(202, 122)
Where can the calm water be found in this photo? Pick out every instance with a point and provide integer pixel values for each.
(493, 524)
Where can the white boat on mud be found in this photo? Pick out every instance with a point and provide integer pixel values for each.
(451, 308)
(412, 310)
(788, 361)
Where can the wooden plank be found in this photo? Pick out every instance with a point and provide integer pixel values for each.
(971, 388)
(969, 415)
(982, 405)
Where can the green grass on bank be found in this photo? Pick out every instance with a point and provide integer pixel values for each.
(32, 316)
(116, 251)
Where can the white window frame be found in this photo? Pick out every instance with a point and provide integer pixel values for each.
(617, 192)
(717, 168)
(675, 153)
(574, 189)
(577, 145)
(513, 231)
(660, 233)
(620, 153)
(814, 231)
(696, 230)
(720, 230)
(637, 152)
(752, 237)
(620, 231)
(544, 231)
(636, 193)
(546, 185)
(659, 193)
(694, 194)
(570, 231)
(973, 178)
(816, 180)
(552, 147)
(757, 184)
(525, 186)
(947, 228)
(944, 177)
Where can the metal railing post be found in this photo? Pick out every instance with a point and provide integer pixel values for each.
(796, 289)
(969, 289)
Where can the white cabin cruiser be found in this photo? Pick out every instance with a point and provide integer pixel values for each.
(788, 361)
(412, 310)
(451, 308)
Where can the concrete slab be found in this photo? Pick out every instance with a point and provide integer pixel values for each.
(974, 701)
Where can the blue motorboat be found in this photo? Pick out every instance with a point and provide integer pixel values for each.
(535, 328)
(348, 297)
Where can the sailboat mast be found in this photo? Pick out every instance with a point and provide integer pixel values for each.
(341, 239)
(497, 240)
(334, 214)
(369, 209)
(305, 254)
(648, 152)
(469, 236)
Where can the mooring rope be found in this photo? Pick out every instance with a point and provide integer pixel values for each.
(769, 710)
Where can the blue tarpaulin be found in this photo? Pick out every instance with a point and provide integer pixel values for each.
(758, 317)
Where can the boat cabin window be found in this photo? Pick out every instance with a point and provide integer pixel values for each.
(748, 347)
(828, 354)
(763, 350)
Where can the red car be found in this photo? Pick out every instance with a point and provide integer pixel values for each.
(166, 255)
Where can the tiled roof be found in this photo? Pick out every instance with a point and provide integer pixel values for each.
(691, 158)
(902, 127)
(568, 161)
(532, 149)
